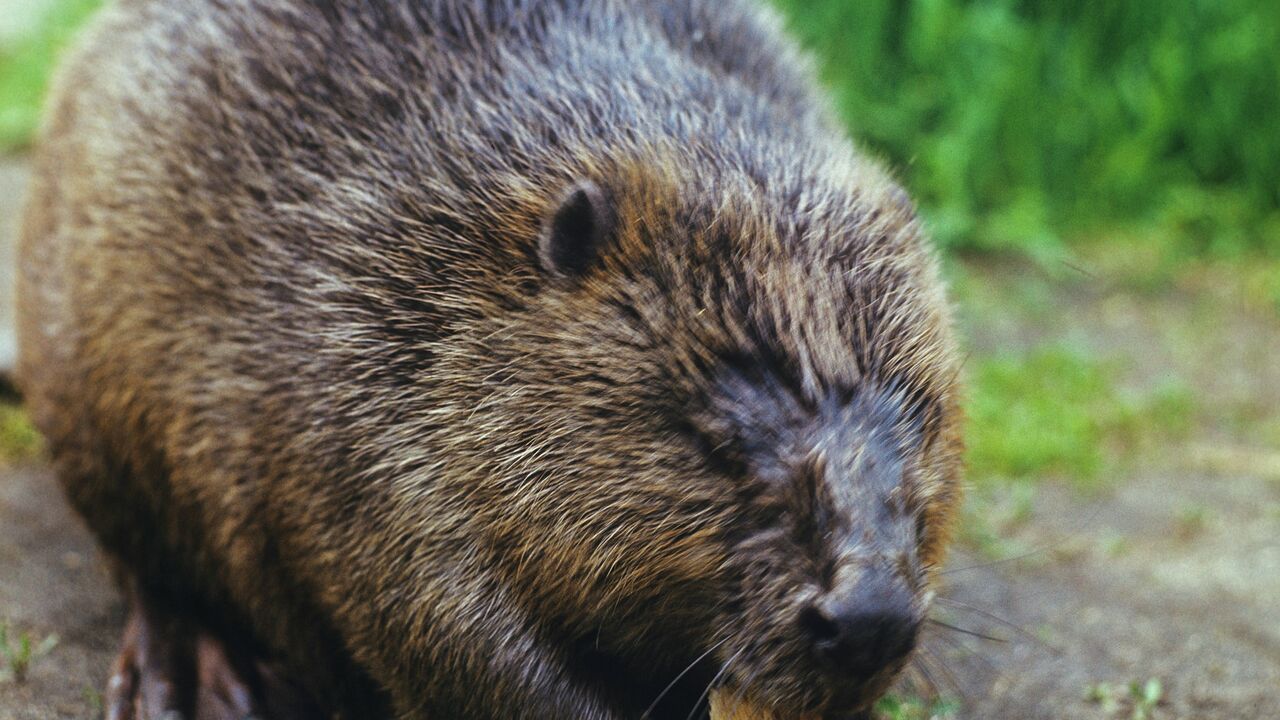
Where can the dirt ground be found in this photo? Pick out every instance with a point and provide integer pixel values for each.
(1123, 586)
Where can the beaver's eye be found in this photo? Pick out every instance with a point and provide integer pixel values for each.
(575, 232)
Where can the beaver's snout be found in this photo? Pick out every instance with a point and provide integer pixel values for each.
(832, 578)
(856, 630)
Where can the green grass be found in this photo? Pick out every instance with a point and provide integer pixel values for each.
(898, 707)
(18, 439)
(1057, 411)
(25, 68)
(1136, 701)
(1052, 413)
(93, 698)
(21, 652)
(1020, 122)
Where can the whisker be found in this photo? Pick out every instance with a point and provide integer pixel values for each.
(912, 680)
(966, 631)
(1078, 531)
(946, 671)
(1078, 268)
(996, 619)
(993, 563)
(920, 667)
(683, 672)
(956, 643)
(723, 669)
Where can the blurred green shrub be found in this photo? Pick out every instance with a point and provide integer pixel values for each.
(1020, 122)
(27, 63)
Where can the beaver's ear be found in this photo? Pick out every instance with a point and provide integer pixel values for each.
(576, 231)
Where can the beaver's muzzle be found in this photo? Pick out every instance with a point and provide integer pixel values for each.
(862, 627)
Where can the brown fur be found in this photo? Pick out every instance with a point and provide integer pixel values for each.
(726, 704)
(285, 328)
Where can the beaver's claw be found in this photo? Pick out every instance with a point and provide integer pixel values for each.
(171, 669)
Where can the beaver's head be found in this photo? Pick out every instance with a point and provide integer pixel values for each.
(723, 425)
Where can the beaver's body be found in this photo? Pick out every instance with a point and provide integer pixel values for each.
(327, 360)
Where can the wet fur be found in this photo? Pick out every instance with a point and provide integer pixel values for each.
(284, 326)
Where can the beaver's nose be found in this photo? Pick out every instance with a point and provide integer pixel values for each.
(862, 628)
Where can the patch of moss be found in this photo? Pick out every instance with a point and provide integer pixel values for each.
(19, 440)
(1056, 411)
(897, 707)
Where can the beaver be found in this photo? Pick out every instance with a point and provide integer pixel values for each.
(485, 359)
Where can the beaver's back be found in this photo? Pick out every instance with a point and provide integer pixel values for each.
(255, 226)
(246, 184)
(239, 209)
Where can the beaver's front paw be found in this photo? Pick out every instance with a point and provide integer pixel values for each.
(170, 669)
